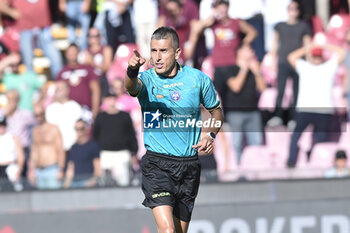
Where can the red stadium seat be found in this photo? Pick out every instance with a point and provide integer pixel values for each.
(337, 27)
(256, 158)
(317, 24)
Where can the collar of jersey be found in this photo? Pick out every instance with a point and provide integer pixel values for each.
(155, 73)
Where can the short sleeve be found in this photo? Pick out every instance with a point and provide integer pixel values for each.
(278, 27)
(208, 95)
(145, 82)
(95, 150)
(306, 30)
(92, 74)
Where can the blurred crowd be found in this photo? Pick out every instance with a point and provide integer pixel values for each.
(280, 68)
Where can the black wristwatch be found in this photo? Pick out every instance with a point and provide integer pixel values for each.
(211, 135)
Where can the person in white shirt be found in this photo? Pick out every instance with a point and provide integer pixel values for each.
(314, 103)
(63, 113)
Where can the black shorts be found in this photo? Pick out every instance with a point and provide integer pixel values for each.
(171, 180)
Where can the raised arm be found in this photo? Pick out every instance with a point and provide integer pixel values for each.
(132, 84)
(294, 56)
(249, 31)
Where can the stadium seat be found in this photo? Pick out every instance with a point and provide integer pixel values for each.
(317, 24)
(256, 158)
(337, 27)
(322, 155)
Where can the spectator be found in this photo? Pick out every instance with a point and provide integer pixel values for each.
(227, 39)
(180, 15)
(115, 133)
(77, 13)
(124, 101)
(288, 36)
(242, 100)
(251, 11)
(26, 83)
(63, 113)
(314, 105)
(340, 168)
(98, 56)
(83, 169)
(34, 26)
(347, 65)
(114, 21)
(11, 157)
(47, 158)
(83, 82)
(145, 17)
(19, 123)
(9, 39)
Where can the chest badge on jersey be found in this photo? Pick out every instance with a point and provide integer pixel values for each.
(175, 95)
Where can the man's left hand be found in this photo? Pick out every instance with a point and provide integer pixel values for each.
(205, 145)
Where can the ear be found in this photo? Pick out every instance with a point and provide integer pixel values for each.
(177, 53)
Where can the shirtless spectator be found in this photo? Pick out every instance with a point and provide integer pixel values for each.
(63, 113)
(82, 80)
(47, 158)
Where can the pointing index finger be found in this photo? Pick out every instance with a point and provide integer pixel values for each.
(137, 53)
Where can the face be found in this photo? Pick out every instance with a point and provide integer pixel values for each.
(293, 10)
(245, 53)
(94, 36)
(110, 102)
(173, 9)
(340, 163)
(62, 90)
(221, 12)
(80, 129)
(39, 114)
(72, 54)
(164, 56)
(118, 87)
(316, 60)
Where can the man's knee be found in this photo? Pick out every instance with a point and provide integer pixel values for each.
(166, 229)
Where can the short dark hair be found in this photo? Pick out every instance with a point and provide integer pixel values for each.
(340, 154)
(178, 2)
(166, 33)
(73, 45)
(222, 2)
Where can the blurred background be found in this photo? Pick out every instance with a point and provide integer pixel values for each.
(71, 137)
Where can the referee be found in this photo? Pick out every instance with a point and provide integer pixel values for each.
(170, 96)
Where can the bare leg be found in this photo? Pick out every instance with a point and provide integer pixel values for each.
(164, 219)
(180, 226)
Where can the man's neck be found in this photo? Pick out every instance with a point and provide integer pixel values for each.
(82, 140)
(292, 21)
